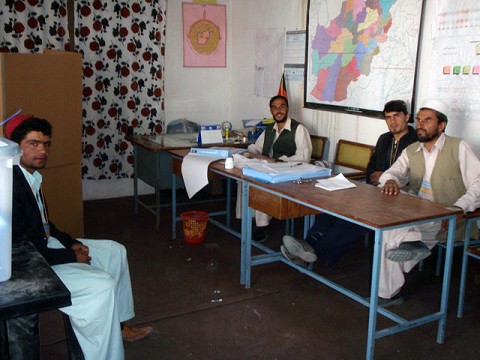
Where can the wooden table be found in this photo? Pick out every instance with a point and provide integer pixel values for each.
(364, 205)
(153, 163)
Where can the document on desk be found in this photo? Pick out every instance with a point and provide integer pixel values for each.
(338, 182)
(284, 171)
(195, 172)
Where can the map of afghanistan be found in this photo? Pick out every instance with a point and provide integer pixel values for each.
(344, 51)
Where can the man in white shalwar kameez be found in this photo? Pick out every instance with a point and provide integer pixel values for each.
(95, 271)
(438, 168)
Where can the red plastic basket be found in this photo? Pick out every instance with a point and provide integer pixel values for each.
(194, 226)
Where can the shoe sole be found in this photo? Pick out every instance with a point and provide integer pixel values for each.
(398, 301)
(399, 255)
(289, 256)
(387, 304)
(295, 248)
(261, 240)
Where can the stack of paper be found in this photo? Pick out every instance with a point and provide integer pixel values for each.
(338, 182)
(279, 172)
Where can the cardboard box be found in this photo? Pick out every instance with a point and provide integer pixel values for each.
(50, 86)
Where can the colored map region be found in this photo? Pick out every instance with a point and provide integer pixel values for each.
(362, 47)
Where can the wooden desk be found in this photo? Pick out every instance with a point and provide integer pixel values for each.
(364, 205)
(276, 206)
(34, 287)
(234, 174)
(153, 163)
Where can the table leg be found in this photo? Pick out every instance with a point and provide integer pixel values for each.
(23, 337)
(229, 201)
(244, 232)
(157, 207)
(372, 315)
(174, 206)
(446, 279)
(463, 279)
(248, 248)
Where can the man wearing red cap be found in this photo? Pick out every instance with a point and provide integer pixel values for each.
(95, 271)
(438, 168)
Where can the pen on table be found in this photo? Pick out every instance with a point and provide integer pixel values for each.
(297, 164)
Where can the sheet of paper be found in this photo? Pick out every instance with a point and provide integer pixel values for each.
(195, 172)
(338, 182)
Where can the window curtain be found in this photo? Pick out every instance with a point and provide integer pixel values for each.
(123, 47)
(32, 26)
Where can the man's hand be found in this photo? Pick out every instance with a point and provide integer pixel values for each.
(81, 252)
(391, 188)
(375, 177)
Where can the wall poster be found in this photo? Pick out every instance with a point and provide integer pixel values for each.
(204, 35)
(361, 54)
(455, 69)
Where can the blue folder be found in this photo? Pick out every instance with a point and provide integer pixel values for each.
(276, 178)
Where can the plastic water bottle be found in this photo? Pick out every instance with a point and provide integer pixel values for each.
(9, 156)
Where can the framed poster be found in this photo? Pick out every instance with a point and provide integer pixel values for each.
(204, 35)
(361, 54)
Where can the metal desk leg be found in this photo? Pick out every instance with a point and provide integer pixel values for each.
(307, 224)
(229, 201)
(174, 206)
(446, 279)
(463, 278)
(135, 177)
(372, 315)
(157, 208)
(246, 232)
(248, 248)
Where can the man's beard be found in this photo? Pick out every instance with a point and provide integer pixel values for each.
(281, 120)
(428, 137)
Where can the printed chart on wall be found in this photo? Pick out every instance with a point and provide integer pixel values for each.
(455, 70)
(204, 35)
(361, 54)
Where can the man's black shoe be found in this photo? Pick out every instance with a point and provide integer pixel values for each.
(386, 303)
(260, 234)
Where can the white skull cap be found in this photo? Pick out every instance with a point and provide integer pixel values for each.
(436, 105)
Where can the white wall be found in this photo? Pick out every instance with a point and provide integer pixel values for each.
(208, 94)
(212, 95)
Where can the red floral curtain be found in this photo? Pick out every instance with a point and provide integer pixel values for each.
(123, 46)
(32, 26)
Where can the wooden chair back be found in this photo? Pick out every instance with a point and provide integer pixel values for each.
(353, 155)
(319, 144)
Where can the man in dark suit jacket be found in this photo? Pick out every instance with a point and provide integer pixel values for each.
(95, 271)
(391, 144)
